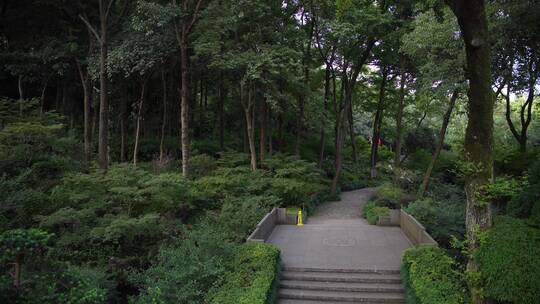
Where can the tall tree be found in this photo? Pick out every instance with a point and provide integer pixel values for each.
(471, 16)
(101, 31)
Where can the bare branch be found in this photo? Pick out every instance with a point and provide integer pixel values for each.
(91, 28)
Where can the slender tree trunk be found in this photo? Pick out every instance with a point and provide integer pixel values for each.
(399, 125)
(123, 127)
(325, 109)
(478, 145)
(184, 115)
(351, 132)
(280, 132)
(21, 94)
(139, 121)
(221, 114)
(86, 108)
(270, 131)
(164, 117)
(103, 151)
(262, 136)
(42, 97)
(377, 123)
(442, 135)
(248, 110)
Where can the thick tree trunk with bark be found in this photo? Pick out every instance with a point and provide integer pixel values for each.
(377, 123)
(478, 146)
(442, 135)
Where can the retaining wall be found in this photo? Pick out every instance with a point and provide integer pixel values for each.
(278, 216)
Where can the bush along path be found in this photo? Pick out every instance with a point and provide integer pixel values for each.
(338, 257)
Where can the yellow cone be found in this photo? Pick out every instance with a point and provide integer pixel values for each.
(300, 221)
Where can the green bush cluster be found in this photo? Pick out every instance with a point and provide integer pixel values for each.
(442, 219)
(251, 279)
(509, 262)
(431, 276)
(372, 212)
(390, 196)
(527, 203)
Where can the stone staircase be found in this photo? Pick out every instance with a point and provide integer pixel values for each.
(333, 286)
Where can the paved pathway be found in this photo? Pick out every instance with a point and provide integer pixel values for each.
(336, 237)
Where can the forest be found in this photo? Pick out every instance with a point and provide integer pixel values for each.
(141, 141)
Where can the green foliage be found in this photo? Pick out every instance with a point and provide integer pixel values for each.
(527, 203)
(20, 243)
(442, 219)
(372, 212)
(251, 279)
(186, 269)
(419, 160)
(509, 258)
(390, 196)
(431, 276)
(201, 165)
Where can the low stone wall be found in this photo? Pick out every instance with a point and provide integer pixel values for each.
(415, 231)
(278, 216)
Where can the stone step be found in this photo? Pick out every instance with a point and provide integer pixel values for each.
(340, 270)
(342, 286)
(341, 296)
(341, 277)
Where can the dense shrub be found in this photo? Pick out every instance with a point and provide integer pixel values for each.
(251, 279)
(509, 258)
(527, 203)
(372, 212)
(431, 276)
(186, 269)
(419, 160)
(441, 219)
(390, 196)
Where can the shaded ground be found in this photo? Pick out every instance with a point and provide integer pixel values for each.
(336, 237)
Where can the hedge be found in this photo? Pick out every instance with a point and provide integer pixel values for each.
(431, 276)
(372, 212)
(509, 258)
(252, 278)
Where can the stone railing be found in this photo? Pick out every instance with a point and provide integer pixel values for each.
(415, 231)
(278, 216)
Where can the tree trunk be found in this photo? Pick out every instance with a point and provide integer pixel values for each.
(270, 130)
(262, 135)
(221, 114)
(442, 135)
(85, 82)
(248, 111)
(399, 125)
(377, 123)
(123, 127)
(21, 94)
(164, 117)
(42, 97)
(351, 132)
(184, 115)
(139, 121)
(479, 133)
(103, 151)
(280, 132)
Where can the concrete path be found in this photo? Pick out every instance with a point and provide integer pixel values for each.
(336, 237)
